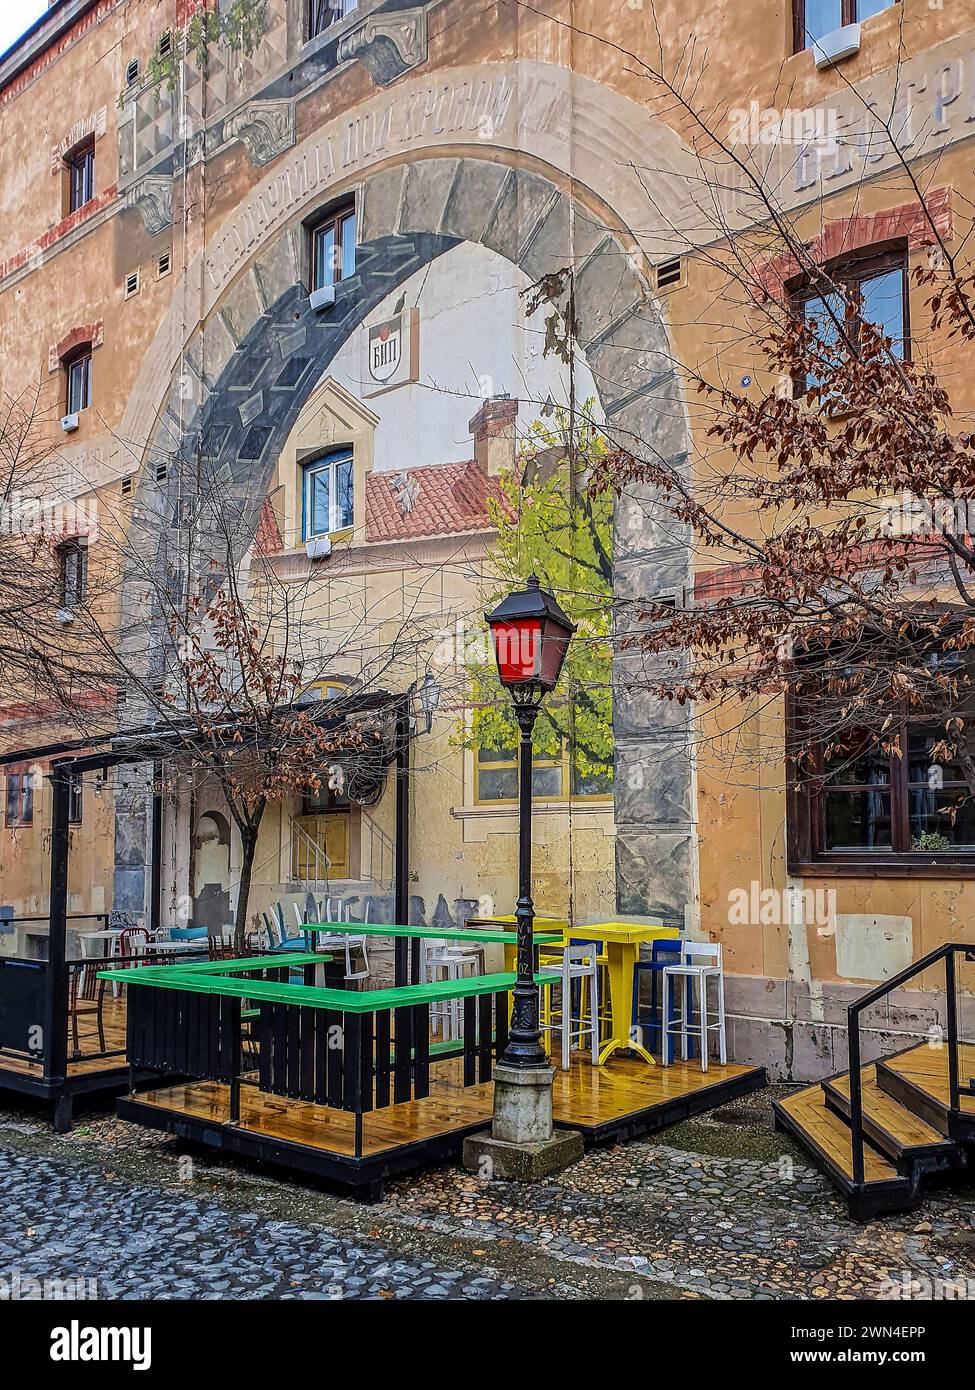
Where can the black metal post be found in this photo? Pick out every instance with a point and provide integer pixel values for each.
(951, 1018)
(856, 1094)
(155, 852)
(56, 1023)
(524, 1047)
(401, 946)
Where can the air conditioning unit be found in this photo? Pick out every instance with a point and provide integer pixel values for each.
(69, 423)
(65, 616)
(323, 298)
(318, 547)
(833, 48)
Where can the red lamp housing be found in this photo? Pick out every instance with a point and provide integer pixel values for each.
(531, 637)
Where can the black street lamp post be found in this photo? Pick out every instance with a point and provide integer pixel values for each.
(531, 636)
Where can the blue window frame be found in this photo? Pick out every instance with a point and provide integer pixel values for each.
(327, 494)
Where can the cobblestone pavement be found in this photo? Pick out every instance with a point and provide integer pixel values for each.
(720, 1207)
(135, 1242)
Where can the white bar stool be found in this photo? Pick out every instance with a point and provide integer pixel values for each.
(700, 961)
(446, 962)
(576, 963)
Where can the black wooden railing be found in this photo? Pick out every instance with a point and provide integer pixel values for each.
(353, 1060)
(23, 1007)
(947, 953)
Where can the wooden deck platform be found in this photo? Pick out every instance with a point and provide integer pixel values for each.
(624, 1098)
(86, 1065)
(911, 1137)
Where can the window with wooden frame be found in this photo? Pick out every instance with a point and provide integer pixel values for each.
(322, 14)
(77, 371)
(72, 574)
(898, 802)
(79, 165)
(557, 778)
(333, 248)
(814, 19)
(880, 275)
(20, 798)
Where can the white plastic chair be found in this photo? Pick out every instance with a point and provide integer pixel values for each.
(700, 961)
(577, 962)
(341, 940)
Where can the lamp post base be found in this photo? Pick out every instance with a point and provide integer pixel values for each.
(523, 1145)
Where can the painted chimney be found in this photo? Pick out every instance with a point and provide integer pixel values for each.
(494, 429)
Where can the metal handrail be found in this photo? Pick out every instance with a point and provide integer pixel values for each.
(946, 953)
(387, 853)
(312, 850)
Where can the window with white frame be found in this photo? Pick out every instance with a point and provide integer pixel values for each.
(327, 494)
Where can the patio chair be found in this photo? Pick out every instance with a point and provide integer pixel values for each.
(341, 941)
(274, 927)
(86, 999)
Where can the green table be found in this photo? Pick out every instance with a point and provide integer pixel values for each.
(503, 938)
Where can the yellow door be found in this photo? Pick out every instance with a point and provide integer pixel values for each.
(329, 833)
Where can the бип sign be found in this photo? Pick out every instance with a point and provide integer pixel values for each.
(392, 353)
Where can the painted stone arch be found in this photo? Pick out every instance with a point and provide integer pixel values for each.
(263, 350)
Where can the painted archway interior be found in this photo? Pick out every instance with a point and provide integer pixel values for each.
(264, 349)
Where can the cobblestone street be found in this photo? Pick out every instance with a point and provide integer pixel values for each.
(717, 1208)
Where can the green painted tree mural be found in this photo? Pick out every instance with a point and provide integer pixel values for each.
(551, 523)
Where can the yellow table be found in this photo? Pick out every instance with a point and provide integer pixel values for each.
(622, 941)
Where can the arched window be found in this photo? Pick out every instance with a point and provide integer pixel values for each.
(327, 494)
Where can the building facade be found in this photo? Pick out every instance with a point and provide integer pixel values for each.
(304, 235)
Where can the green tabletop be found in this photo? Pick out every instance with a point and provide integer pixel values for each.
(504, 938)
(279, 960)
(348, 1001)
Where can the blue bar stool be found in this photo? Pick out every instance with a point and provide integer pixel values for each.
(666, 951)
